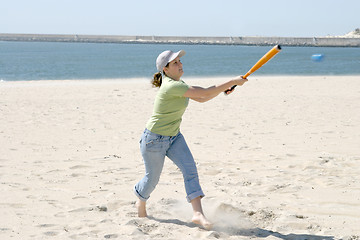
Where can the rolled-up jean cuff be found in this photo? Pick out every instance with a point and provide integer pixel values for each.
(195, 195)
(139, 196)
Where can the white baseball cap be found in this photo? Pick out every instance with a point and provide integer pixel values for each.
(167, 56)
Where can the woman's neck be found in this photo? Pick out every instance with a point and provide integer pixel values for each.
(176, 79)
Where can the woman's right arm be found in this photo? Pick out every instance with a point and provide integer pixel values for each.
(204, 94)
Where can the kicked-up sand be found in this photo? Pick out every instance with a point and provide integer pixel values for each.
(278, 159)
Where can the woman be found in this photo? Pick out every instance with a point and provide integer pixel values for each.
(162, 135)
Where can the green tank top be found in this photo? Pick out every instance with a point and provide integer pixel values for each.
(169, 106)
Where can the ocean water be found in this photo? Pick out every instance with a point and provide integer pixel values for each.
(57, 61)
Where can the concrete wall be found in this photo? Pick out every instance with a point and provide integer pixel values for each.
(286, 41)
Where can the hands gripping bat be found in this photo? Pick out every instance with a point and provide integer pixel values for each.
(259, 64)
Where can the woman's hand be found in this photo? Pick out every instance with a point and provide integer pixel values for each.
(238, 81)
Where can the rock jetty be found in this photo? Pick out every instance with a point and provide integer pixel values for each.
(261, 41)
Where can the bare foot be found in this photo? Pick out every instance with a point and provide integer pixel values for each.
(201, 220)
(141, 207)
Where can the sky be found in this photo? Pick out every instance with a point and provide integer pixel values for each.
(284, 18)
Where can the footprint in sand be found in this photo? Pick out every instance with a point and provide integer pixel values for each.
(108, 236)
(76, 175)
(48, 233)
(142, 226)
(84, 209)
(46, 225)
(79, 166)
(51, 234)
(79, 197)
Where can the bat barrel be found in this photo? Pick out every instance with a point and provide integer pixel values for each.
(270, 54)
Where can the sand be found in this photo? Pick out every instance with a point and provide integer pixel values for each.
(277, 159)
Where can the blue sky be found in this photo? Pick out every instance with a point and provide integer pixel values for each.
(301, 18)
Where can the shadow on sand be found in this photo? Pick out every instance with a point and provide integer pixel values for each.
(263, 233)
(255, 232)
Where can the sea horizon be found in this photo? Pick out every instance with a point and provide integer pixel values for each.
(27, 61)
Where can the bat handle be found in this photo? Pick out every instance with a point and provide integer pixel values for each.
(227, 92)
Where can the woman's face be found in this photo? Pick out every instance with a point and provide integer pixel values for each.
(175, 69)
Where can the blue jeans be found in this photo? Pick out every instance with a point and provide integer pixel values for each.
(154, 148)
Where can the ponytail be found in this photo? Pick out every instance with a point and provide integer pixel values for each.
(157, 80)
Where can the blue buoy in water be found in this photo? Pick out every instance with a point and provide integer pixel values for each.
(317, 57)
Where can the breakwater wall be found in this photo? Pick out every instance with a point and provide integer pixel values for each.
(261, 41)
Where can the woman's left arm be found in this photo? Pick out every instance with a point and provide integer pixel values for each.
(205, 94)
(204, 98)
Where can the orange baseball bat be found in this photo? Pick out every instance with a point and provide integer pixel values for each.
(270, 54)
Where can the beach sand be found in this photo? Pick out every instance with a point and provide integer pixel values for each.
(277, 159)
